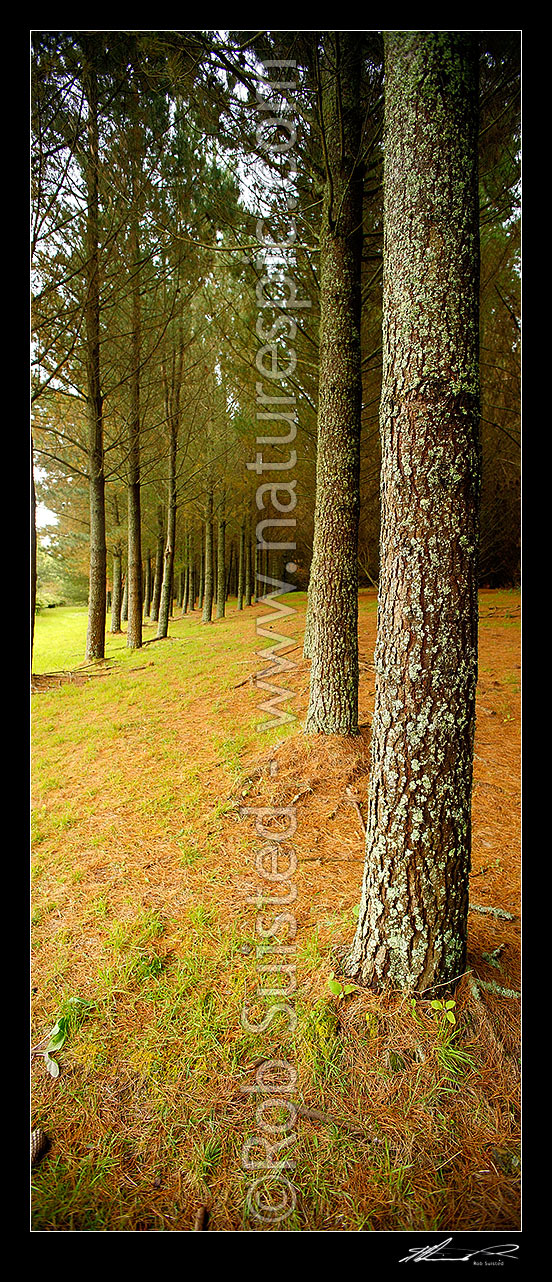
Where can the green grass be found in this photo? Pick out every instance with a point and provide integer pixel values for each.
(60, 639)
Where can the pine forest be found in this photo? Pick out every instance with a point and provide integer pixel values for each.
(275, 570)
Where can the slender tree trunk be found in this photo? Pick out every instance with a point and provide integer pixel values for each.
(333, 589)
(134, 572)
(241, 567)
(158, 576)
(116, 599)
(201, 591)
(124, 606)
(165, 608)
(95, 638)
(248, 589)
(191, 572)
(33, 552)
(221, 564)
(185, 575)
(134, 631)
(147, 587)
(230, 569)
(208, 592)
(412, 925)
(256, 572)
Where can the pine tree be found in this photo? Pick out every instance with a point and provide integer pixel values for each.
(332, 642)
(413, 914)
(95, 638)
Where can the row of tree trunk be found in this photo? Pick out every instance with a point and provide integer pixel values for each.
(208, 578)
(412, 925)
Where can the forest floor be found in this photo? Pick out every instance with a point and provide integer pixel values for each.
(144, 768)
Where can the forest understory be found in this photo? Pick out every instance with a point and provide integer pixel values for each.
(144, 768)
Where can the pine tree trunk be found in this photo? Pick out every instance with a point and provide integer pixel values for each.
(333, 589)
(165, 607)
(208, 590)
(221, 565)
(134, 630)
(241, 568)
(256, 572)
(412, 925)
(185, 574)
(33, 552)
(191, 572)
(124, 606)
(248, 590)
(309, 623)
(147, 587)
(159, 557)
(230, 571)
(201, 589)
(95, 638)
(134, 574)
(116, 599)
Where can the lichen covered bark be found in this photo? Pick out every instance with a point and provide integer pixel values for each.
(413, 914)
(95, 636)
(208, 582)
(331, 636)
(165, 602)
(221, 565)
(117, 596)
(158, 575)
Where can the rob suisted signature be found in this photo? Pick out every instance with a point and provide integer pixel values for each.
(443, 1251)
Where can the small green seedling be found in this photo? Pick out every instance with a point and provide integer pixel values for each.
(338, 989)
(414, 1011)
(446, 1009)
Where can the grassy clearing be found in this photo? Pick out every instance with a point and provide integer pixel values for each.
(143, 872)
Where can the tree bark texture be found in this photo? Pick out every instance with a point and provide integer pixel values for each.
(159, 556)
(147, 586)
(201, 588)
(333, 589)
(168, 564)
(117, 593)
(221, 565)
(248, 590)
(208, 588)
(190, 601)
(412, 925)
(33, 552)
(95, 637)
(241, 568)
(134, 629)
